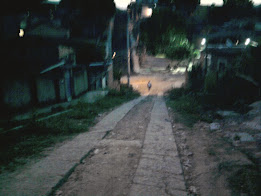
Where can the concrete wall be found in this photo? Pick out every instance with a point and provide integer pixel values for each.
(17, 93)
(45, 90)
(80, 83)
(93, 96)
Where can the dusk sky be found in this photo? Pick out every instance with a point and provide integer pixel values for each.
(122, 4)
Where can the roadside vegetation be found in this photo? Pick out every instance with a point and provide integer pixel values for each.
(201, 99)
(242, 178)
(17, 147)
(203, 95)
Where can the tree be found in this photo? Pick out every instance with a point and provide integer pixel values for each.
(231, 9)
(237, 3)
(185, 6)
(176, 45)
(165, 33)
(91, 8)
(153, 29)
(19, 6)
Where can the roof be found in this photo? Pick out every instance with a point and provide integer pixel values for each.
(61, 63)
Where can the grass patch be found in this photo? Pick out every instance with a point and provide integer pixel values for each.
(242, 178)
(16, 147)
(212, 152)
(188, 106)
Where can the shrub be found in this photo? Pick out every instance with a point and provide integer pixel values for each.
(210, 84)
(177, 93)
(195, 79)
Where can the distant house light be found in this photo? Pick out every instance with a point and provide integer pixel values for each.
(146, 12)
(203, 42)
(113, 56)
(253, 43)
(21, 33)
(247, 41)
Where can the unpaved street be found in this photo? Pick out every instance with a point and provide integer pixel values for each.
(138, 157)
(154, 70)
(111, 168)
(130, 151)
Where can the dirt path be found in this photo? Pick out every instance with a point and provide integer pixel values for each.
(138, 157)
(154, 70)
(39, 177)
(133, 152)
(110, 170)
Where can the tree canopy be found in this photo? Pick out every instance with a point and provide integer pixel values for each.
(165, 33)
(19, 5)
(237, 3)
(91, 7)
(231, 9)
(186, 6)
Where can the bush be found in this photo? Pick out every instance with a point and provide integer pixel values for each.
(210, 83)
(195, 79)
(16, 147)
(124, 91)
(177, 93)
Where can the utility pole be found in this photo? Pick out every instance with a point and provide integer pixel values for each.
(128, 47)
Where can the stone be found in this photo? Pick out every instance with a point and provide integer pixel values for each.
(96, 151)
(245, 137)
(227, 113)
(214, 126)
(193, 189)
(58, 193)
(187, 164)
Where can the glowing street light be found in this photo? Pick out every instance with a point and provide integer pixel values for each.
(21, 33)
(247, 42)
(146, 12)
(113, 56)
(203, 42)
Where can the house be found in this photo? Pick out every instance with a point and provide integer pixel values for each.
(37, 72)
(221, 48)
(42, 65)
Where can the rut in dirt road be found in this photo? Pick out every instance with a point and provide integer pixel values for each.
(138, 157)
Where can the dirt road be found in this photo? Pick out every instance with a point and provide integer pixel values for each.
(133, 152)
(138, 157)
(154, 70)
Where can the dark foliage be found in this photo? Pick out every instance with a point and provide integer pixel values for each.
(15, 6)
(90, 8)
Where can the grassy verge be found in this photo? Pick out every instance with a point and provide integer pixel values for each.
(189, 107)
(16, 147)
(194, 106)
(242, 178)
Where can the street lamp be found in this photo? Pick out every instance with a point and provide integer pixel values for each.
(203, 41)
(21, 33)
(247, 42)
